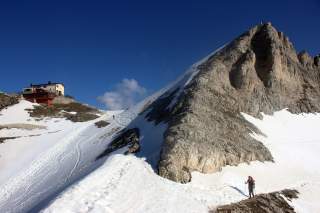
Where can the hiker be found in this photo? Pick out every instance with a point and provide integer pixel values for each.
(251, 186)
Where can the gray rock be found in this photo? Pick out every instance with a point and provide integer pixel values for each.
(8, 100)
(101, 123)
(259, 71)
(305, 59)
(273, 202)
(129, 138)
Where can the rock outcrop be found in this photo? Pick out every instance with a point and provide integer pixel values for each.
(305, 59)
(274, 202)
(73, 111)
(101, 124)
(7, 100)
(129, 138)
(259, 71)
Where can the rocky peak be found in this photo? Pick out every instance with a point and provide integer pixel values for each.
(259, 71)
(269, 50)
(265, 35)
(264, 59)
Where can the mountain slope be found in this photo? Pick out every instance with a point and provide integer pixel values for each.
(200, 123)
(42, 156)
(258, 72)
(125, 183)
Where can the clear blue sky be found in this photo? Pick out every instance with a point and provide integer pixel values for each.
(92, 45)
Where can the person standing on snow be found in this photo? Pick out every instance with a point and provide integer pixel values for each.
(251, 185)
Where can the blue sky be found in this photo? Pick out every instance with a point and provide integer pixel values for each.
(97, 46)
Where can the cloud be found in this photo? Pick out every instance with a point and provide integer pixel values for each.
(125, 94)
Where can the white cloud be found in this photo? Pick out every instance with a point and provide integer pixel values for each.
(125, 94)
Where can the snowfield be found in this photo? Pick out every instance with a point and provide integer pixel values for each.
(59, 159)
(128, 184)
(39, 162)
(50, 165)
(29, 142)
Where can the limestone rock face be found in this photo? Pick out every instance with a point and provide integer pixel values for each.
(259, 71)
(305, 59)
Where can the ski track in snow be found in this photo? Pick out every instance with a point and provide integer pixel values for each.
(34, 172)
(63, 163)
(20, 189)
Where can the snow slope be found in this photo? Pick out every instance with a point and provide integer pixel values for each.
(61, 153)
(128, 184)
(56, 161)
(59, 172)
(41, 161)
(29, 142)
